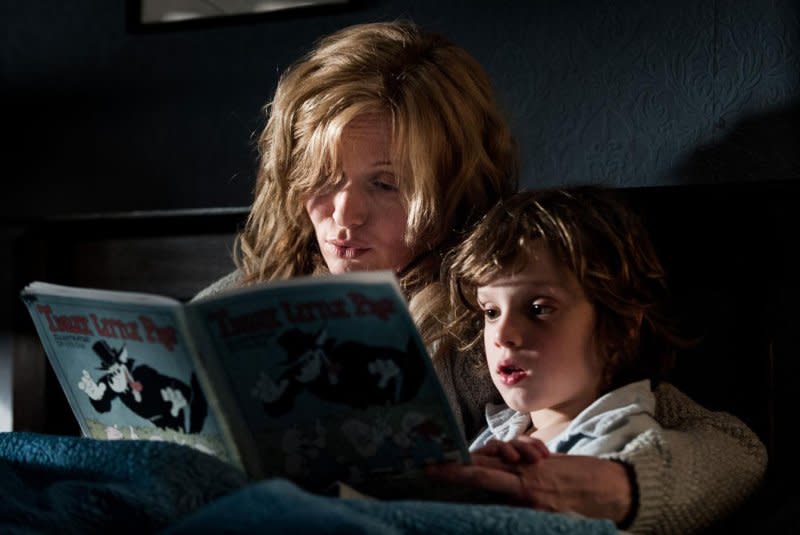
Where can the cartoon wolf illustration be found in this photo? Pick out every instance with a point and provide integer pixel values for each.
(350, 373)
(165, 401)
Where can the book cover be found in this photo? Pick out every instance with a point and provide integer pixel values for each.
(125, 366)
(317, 379)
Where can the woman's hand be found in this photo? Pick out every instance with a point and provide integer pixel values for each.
(590, 486)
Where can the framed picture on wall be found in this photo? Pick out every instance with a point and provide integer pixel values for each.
(154, 15)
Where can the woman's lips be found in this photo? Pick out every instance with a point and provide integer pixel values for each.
(347, 250)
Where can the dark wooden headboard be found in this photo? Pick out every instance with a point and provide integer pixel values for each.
(175, 253)
(729, 250)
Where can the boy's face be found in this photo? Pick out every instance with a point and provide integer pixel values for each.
(538, 337)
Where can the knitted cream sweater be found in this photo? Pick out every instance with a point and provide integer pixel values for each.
(698, 468)
(695, 470)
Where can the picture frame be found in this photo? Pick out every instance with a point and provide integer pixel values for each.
(171, 15)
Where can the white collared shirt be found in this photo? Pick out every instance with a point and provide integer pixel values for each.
(605, 426)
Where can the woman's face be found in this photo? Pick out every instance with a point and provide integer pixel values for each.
(360, 223)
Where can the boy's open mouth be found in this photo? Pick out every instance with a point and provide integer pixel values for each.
(510, 374)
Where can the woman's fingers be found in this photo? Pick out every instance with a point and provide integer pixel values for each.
(485, 473)
(593, 487)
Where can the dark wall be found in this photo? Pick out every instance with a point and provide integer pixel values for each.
(102, 118)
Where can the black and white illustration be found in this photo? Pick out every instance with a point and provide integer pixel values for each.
(167, 402)
(349, 373)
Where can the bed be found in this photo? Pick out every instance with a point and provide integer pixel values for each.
(729, 252)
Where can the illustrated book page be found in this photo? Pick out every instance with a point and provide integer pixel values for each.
(330, 377)
(125, 364)
(316, 379)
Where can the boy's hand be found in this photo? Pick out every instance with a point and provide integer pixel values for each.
(520, 450)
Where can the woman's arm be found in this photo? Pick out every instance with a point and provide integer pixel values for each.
(591, 486)
(700, 467)
(229, 281)
(688, 475)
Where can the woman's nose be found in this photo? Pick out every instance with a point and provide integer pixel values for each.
(350, 207)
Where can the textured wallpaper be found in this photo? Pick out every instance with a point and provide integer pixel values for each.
(646, 93)
(624, 92)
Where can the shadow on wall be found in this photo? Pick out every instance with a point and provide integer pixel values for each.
(728, 242)
(729, 239)
(761, 147)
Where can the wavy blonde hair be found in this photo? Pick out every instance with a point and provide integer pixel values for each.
(451, 145)
(598, 238)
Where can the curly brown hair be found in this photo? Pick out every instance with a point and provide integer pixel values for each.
(601, 241)
(451, 143)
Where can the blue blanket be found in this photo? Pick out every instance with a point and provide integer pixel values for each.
(51, 484)
(55, 484)
(277, 506)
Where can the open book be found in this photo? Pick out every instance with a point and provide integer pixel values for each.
(317, 379)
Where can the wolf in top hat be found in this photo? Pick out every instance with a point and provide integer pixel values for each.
(165, 401)
(349, 372)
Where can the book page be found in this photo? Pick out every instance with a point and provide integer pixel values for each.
(331, 378)
(94, 294)
(124, 365)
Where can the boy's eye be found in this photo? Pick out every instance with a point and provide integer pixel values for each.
(491, 313)
(538, 309)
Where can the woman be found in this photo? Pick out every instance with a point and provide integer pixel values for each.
(382, 146)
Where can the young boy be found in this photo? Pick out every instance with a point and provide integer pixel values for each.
(567, 293)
